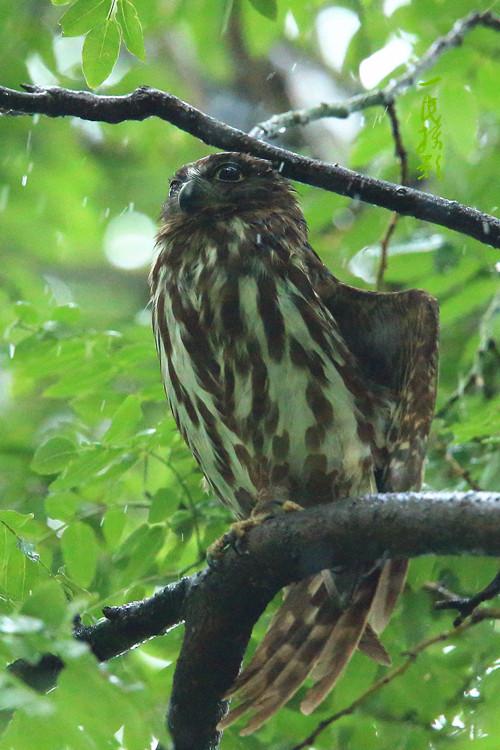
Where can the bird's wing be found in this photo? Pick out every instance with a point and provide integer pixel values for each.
(394, 336)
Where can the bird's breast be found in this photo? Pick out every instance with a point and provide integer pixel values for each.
(257, 376)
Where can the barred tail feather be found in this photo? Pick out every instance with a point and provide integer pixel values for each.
(291, 646)
(392, 582)
(311, 635)
(301, 603)
(287, 677)
(390, 586)
(371, 646)
(342, 643)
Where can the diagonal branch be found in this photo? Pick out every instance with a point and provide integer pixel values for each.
(221, 604)
(386, 95)
(146, 102)
(122, 628)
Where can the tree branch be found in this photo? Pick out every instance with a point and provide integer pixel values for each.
(380, 97)
(146, 102)
(221, 604)
(466, 605)
(123, 628)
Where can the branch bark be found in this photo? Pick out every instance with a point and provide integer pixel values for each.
(221, 604)
(147, 102)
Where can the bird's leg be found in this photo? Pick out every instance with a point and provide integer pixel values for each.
(270, 502)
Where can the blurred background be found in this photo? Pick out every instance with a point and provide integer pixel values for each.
(99, 500)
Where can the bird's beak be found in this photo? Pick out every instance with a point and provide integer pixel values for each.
(193, 195)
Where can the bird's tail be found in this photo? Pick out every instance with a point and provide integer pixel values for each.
(311, 635)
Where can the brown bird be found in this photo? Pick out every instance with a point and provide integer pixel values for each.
(289, 386)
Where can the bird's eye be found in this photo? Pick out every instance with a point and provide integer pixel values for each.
(229, 173)
(174, 187)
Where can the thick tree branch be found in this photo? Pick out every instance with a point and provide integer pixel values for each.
(386, 95)
(145, 102)
(221, 604)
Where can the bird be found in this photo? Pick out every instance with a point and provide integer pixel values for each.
(291, 389)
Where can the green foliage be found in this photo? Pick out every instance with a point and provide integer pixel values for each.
(106, 23)
(101, 501)
(267, 8)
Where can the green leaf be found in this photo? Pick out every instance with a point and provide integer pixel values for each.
(14, 519)
(52, 456)
(68, 314)
(124, 421)
(80, 550)
(62, 505)
(267, 8)
(47, 603)
(113, 526)
(26, 312)
(83, 16)
(460, 116)
(161, 505)
(138, 551)
(181, 522)
(131, 28)
(482, 420)
(100, 52)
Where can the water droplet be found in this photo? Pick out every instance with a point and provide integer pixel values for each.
(486, 227)
(281, 167)
(12, 350)
(85, 200)
(24, 180)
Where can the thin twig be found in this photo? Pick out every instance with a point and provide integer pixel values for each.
(277, 124)
(188, 495)
(459, 471)
(402, 155)
(411, 656)
(464, 604)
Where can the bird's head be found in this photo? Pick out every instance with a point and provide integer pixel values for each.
(225, 185)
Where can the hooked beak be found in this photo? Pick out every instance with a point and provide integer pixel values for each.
(193, 195)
